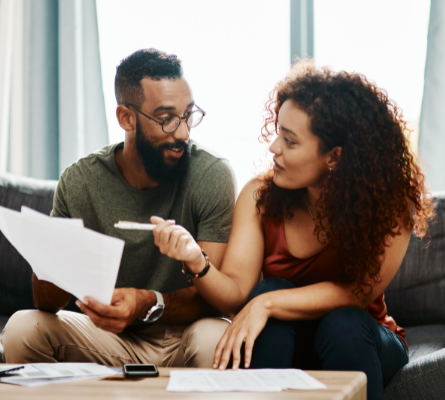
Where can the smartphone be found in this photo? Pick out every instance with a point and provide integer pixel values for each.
(140, 370)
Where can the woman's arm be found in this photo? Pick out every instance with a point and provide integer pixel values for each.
(308, 302)
(226, 290)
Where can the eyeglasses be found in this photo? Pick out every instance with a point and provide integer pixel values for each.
(171, 123)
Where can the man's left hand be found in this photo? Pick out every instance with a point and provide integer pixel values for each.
(126, 305)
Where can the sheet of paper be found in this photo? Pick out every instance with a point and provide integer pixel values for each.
(47, 373)
(259, 380)
(71, 221)
(289, 379)
(189, 381)
(10, 225)
(76, 259)
(246, 381)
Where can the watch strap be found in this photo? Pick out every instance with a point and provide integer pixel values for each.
(159, 304)
(159, 298)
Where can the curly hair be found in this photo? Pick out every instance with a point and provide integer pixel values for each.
(370, 193)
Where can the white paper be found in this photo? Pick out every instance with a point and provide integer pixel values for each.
(47, 373)
(254, 380)
(289, 379)
(76, 259)
(189, 381)
(71, 221)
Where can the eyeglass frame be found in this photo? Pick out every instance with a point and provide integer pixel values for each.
(180, 118)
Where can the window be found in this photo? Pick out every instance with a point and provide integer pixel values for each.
(385, 40)
(233, 53)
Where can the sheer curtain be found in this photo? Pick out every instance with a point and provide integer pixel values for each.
(52, 108)
(432, 119)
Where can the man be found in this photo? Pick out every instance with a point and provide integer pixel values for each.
(157, 171)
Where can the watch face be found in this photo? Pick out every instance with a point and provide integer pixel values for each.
(156, 314)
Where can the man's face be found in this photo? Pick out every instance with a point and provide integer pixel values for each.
(165, 156)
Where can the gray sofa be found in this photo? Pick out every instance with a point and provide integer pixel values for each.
(15, 272)
(414, 298)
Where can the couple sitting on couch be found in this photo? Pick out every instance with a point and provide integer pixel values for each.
(327, 227)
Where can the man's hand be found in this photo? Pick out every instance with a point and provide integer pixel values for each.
(126, 305)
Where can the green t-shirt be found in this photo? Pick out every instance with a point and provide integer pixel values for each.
(202, 202)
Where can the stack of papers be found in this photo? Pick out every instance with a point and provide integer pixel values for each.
(45, 374)
(251, 380)
(61, 251)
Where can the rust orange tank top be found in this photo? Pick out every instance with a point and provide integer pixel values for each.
(280, 263)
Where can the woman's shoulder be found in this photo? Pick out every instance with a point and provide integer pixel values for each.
(246, 204)
(252, 185)
(249, 190)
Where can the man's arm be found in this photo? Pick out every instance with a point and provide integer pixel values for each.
(47, 296)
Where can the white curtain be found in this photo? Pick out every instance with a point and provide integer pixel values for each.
(52, 108)
(432, 119)
(301, 29)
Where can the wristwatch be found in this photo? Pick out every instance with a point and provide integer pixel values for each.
(154, 313)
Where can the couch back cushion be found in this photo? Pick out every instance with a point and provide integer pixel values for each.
(15, 272)
(416, 295)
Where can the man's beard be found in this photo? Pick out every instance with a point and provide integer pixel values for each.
(152, 158)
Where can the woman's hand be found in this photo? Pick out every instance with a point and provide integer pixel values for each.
(176, 242)
(245, 328)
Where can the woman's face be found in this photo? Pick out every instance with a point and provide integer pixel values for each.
(297, 160)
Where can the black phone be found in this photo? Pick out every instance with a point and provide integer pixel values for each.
(140, 370)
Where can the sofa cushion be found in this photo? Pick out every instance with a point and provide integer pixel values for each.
(3, 321)
(416, 295)
(15, 272)
(421, 379)
(424, 340)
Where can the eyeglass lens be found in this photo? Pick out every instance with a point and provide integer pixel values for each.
(193, 120)
(171, 124)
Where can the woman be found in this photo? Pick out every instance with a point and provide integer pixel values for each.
(328, 227)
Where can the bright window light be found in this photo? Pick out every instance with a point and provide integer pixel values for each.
(233, 54)
(384, 40)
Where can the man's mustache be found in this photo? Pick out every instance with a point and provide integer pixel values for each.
(178, 144)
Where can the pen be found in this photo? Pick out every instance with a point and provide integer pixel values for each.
(7, 371)
(134, 226)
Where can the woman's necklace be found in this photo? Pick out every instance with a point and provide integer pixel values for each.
(323, 233)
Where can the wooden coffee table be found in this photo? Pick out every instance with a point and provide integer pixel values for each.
(340, 386)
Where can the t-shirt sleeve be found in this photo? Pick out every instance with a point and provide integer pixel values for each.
(60, 208)
(215, 202)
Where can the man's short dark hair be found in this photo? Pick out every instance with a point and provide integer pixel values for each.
(146, 63)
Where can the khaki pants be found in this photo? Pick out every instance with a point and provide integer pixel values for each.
(35, 336)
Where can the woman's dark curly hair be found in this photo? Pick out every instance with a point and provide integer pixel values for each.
(376, 182)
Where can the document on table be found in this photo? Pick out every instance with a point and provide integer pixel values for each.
(252, 380)
(60, 250)
(47, 373)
